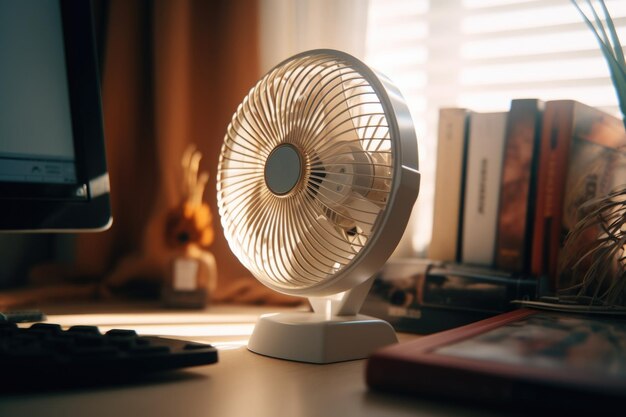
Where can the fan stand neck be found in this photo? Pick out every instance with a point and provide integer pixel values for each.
(347, 303)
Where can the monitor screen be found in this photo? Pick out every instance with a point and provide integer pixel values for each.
(53, 174)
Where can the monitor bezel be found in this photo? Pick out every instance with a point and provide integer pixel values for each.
(61, 208)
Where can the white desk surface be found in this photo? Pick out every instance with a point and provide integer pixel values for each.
(242, 383)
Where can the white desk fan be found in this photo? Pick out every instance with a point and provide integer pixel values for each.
(316, 181)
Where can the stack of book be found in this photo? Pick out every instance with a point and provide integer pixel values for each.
(509, 184)
(507, 191)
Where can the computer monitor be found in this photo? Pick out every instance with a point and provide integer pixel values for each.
(53, 173)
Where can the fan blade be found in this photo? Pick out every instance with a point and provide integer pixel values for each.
(363, 212)
(329, 251)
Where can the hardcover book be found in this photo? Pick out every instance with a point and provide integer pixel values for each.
(517, 196)
(482, 187)
(582, 157)
(597, 164)
(449, 177)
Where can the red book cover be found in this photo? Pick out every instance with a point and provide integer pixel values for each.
(516, 210)
(580, 159)
(556, 133)
(596, 166)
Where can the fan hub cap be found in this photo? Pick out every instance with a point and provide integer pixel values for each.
(283, 169)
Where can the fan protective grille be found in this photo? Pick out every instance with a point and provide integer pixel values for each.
(305, 171)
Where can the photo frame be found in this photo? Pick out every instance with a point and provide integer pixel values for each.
(525, 357)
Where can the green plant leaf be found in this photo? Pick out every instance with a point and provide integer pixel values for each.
(598, 27)
(617, 46)
(617, 68)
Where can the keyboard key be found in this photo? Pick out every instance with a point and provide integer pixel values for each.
(47, 327)
(121, 333)
(84, 329)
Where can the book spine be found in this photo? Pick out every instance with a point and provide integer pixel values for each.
(555, 142)
(451, 154)
(482, 187)
(516, 212)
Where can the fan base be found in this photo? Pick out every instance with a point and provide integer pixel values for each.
(311, 337)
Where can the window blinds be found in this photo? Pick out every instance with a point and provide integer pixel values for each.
(480, 54)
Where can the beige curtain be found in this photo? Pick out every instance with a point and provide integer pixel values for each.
(288, 27)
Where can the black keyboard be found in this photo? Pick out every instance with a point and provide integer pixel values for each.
(45, 355)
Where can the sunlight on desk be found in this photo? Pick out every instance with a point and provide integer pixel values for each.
(225, 327)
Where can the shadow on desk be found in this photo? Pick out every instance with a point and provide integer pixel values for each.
(391, 403)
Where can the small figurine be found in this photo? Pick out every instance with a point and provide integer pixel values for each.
(189, 231)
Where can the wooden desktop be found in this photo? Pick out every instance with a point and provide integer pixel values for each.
(242, 383)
